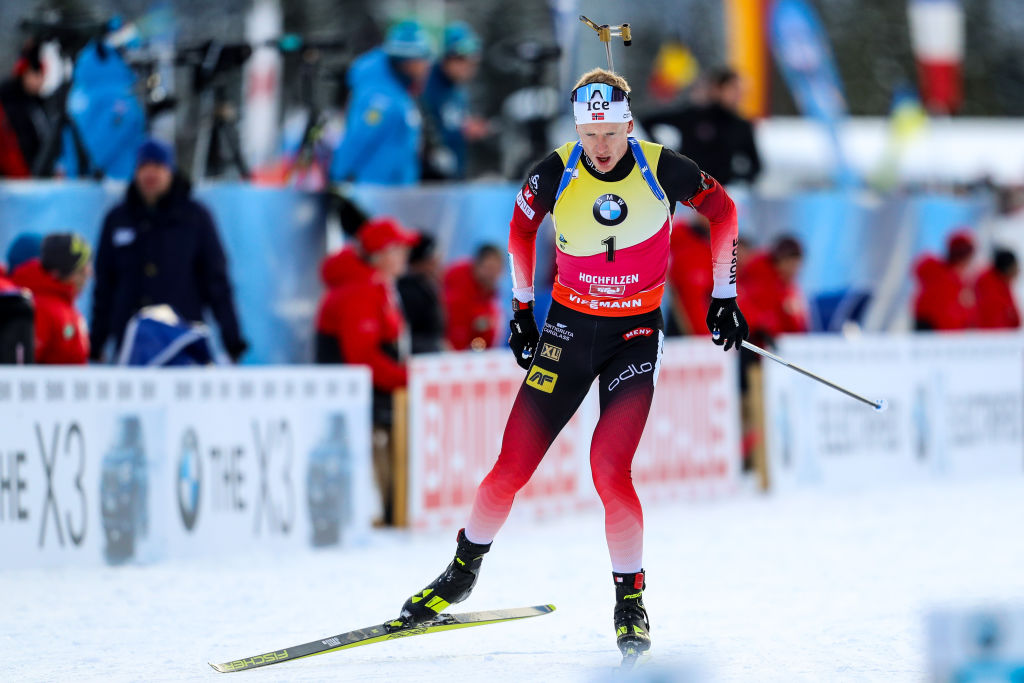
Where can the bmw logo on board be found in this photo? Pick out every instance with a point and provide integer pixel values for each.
(610, 209)
(190, 477)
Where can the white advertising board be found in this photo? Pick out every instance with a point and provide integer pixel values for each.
(955, 409)
(118, 465)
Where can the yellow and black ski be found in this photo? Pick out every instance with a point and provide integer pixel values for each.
(388, 631)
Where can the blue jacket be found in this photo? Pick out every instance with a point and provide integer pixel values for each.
(382, 130)
(108, 116)
(446, 104)
(168, 254)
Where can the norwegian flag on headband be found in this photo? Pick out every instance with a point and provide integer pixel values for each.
(937, 38)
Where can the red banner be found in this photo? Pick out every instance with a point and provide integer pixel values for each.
(459, 403)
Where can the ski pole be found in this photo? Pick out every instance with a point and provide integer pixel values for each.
(605, 33)
(880, 405)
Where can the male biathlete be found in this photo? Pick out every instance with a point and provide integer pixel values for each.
(611, 197)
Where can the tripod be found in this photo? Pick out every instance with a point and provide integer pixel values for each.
(217, 144)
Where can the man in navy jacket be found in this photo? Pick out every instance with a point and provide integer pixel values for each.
(160, 246)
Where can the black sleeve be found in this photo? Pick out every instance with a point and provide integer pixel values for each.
(543, 180)
(216, 286)
(103, 291)
(679, 176)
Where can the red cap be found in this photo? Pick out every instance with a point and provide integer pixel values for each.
(380, 233)
(960, 246)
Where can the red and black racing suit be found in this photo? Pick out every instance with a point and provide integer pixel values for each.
(605, 323)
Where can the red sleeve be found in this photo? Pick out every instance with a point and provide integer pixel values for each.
(522, 243)
(714, 203)
(12, 164)
(360, 335)
(535, 199)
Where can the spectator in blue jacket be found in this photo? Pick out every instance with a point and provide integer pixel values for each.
(446, 103)
(382, 136)
(160, 246)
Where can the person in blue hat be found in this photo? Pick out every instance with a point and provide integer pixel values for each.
(446, 103)
(160, 246)
(24, 247)
(383, 125)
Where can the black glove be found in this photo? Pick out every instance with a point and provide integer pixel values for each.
(726, 323)
(525, 335)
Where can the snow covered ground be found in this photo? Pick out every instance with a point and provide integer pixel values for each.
(807, 587)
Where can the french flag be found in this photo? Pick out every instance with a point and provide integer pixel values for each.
(937, 38)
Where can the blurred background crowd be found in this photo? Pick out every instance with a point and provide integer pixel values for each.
(200, 162)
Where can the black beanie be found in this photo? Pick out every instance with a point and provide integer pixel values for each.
(63, 253)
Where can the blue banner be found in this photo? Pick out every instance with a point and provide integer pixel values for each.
(802, 51)
(275, 241)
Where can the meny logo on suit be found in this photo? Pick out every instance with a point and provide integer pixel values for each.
(638, 332)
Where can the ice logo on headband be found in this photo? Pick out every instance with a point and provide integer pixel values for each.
(599, 102)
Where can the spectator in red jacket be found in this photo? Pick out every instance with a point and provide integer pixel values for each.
(360, 322)
(768, 290)
(55, 279)
(945, 299)
(471, 307)
(361, 313)
(997, 309)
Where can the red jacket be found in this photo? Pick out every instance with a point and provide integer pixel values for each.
(62, 337)
(944, 301)
(997, 309)
(690, 275)
(5, 283)
(362, 312)
(771, 305)
(471, 311)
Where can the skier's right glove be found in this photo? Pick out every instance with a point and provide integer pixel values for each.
(726, 323)
(525, 335)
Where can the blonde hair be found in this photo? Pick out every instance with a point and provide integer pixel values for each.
(603, 76)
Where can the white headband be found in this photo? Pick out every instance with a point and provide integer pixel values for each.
(606, 112)
(600, 103)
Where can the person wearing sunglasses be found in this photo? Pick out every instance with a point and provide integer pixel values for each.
(611, 198)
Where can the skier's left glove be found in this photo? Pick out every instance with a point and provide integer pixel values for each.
(525, 335)
(726, 323)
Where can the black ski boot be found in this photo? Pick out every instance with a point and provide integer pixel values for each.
(632, 630)
(453, 586)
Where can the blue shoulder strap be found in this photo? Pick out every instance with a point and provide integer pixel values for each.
(645, 170)
(570, 166)
(638, 154)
